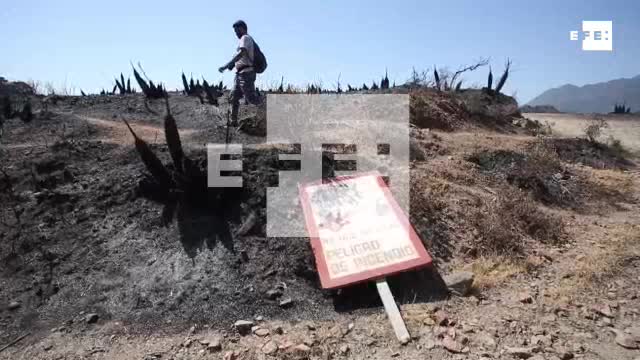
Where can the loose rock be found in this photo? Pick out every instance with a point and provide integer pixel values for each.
(243, 326)
(286, 303)
(624, 340)
(459, 283)
(270, 348)
(92, 318)
(441, 318)
(520, 352)
(302, 349)
(452, 345)
(214, 345)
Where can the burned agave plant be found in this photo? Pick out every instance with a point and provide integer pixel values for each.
(204, 91)
(150, 90)
(182, 184)
(124, 87)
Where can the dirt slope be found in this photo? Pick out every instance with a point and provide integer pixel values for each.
(89, 242)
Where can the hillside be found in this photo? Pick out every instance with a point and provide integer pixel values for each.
(592, 98)
(535, 239)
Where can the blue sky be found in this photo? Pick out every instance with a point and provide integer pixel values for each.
(84, 44)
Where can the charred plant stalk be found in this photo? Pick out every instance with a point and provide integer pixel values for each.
(503, 78)
(151, 161)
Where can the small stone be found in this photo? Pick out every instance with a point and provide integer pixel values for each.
(578, 348)
(259, 318)
(371, 342)
(604, 310)
(302, 349)
(286, 345)
(441, 318)
(520, 352)
(624, 340)
(278, 330)
(309, 341)
(274, 294)
(261, 332)
(565, 355)
(243, 326)
(452, 345)
(537, 330)
(344, 349)
(440, 331)
(536, 357)
(192, 330)
(634, 331)
(187, 343)
(92, 318)
(270, 348)
(351, 326)
(486, 340)
(459, 283)
(47, 347)
(541, 340)
(429, 344)
(231, 355)
(214, 345)
(14, 305)
(525, 298)
(286, 303)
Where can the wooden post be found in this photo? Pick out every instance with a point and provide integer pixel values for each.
(392, 311)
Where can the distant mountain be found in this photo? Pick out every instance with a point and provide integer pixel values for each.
(592, 98)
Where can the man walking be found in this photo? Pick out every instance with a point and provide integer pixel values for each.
(244, 83)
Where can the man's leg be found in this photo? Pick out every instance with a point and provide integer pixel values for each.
(248, 83)
(236, 95)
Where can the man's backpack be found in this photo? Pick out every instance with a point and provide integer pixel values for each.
(259, 60)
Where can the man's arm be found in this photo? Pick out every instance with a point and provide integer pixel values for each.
(231, 63)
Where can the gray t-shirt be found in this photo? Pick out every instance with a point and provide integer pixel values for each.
(246, 61)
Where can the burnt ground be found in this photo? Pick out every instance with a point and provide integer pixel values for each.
(89, 240)
(81, 235)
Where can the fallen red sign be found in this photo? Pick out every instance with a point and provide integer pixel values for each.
(358, 232)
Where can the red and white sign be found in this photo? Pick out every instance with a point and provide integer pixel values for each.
(358, 232)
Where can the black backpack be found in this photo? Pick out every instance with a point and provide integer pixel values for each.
(259, 60)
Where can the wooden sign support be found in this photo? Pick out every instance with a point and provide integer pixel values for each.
(392, 311)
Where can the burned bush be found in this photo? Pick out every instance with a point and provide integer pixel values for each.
(536, 169)
(505, 223)
(150, 90)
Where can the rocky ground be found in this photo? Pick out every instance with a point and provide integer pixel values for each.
(92, 269)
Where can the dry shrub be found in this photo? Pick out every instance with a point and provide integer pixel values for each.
(436, 110)
(505, 224)
(429, 214)
(594, 128)
(536, 169)
(610, 155)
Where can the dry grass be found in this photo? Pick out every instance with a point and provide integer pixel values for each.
(506, 223)
(492, 271)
